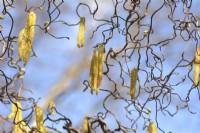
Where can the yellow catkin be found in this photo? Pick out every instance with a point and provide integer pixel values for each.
(86, 125)
(39, 120)
(17, 115)
(81, 33)
(152, 128)
(134, 75)
(21, 44)
(100, 63)
(30, 23)
(52, 106)
(94, 72)
(196, 66)
(13, 112)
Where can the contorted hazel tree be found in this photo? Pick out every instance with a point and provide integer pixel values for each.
(144, 59)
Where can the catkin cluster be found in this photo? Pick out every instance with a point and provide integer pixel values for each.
(25, 38)
(134, 76)
(81, 33)
(196, 66)
(20, 126)
(96, 69)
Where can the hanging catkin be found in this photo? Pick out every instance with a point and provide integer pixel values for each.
(100, 63)
(152, 128)
(86, 125)
(196, 66)
(30, 22)
(81, 33)
(16, 113)
(94, 72)
(39, 120)
(21, 44)
(134, 75)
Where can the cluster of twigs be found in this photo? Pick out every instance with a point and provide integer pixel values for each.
(134, 22)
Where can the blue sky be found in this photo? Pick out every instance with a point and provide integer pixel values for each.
(57, 56)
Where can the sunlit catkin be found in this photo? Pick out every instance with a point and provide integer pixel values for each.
(16, 113)
(152, 128)
(196, 66)
(30, 23)
(21, 44)
(94, 72)
(13, 111)
(100, 63)
(86, 125)
(39, 120)
(81, 33)
(134, 75)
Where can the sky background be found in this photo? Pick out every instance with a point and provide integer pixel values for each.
(61, 67)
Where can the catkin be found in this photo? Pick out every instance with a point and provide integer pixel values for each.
(86, 125)
(152, 128)
(196, 66)
(17, 115)
(30, 22)
(39, 120)
(94, 72)
(100, 63)
(134, 75)
(21, 44)
(81, 33)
